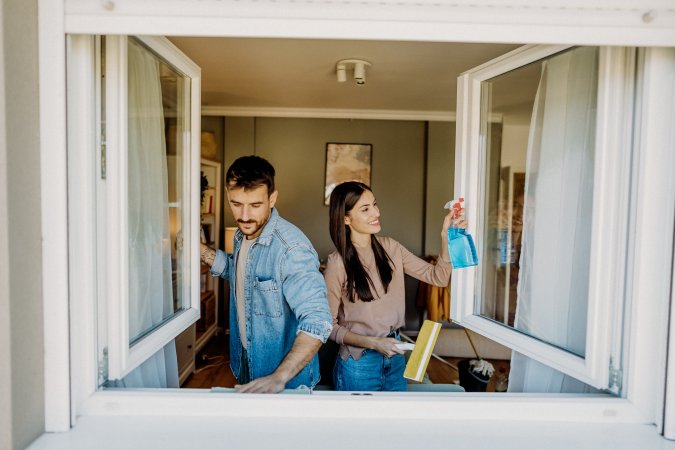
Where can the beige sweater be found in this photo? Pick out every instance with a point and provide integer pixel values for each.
(387, 310)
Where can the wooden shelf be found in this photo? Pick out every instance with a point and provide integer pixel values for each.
(193, 340)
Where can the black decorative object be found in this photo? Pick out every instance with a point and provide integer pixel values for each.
(204, 186)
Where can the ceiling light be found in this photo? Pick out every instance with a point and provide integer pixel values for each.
(360, 73)
(341, 73)
(357, 65)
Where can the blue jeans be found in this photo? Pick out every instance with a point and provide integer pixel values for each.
(372, 372)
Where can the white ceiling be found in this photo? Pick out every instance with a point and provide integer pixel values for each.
(294, 73)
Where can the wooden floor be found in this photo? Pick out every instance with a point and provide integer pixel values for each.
(213, 368)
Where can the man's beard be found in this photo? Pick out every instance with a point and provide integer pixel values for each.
(258, 225)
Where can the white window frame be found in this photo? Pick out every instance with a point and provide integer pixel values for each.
(605, 24)
(123, 357)
(610, 211)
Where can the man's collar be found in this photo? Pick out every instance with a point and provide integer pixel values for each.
(265, 237)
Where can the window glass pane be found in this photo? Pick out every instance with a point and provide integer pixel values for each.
(538, 194)
(156, 190)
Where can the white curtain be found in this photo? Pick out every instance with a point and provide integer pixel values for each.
(553, 279)
(150, 284)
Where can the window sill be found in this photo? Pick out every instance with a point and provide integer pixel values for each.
(190, 431)
(333, 406)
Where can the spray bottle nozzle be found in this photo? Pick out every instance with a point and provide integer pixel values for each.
(456, 206)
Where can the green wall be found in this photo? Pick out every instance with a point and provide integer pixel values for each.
(439, 182)
(403, 171)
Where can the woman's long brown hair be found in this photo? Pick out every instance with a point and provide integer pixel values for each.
(342, 201)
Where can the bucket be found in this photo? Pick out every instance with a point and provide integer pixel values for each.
(470, 380)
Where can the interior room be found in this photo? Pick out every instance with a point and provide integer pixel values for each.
(287, 100)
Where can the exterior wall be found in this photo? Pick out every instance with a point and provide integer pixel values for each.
(5, 341)
(21, 335)
(592, 32)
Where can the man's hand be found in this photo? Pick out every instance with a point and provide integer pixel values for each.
(179, 240)
(271, 384)
(303, 350)
(207, 254)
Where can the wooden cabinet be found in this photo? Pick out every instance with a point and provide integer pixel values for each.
(185, 353)
(195, 337)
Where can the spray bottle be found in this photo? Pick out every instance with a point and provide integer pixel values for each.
(461, 247)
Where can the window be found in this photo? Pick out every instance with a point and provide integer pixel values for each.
(548, 211)
(149, 185)
(652, 230)
(493, 177)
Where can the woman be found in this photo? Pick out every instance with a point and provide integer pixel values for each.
(366, 293)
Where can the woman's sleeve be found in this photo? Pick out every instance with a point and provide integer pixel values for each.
(435, 274)
(335, 277)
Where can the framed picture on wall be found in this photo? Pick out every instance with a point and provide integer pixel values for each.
(346, 162)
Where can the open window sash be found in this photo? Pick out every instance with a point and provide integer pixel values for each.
(606, 264)
(133, 336)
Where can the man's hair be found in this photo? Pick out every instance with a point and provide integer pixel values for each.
(249, 172)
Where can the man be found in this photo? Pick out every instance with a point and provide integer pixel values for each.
(279, 314)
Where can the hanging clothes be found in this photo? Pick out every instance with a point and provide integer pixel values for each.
(435, 299)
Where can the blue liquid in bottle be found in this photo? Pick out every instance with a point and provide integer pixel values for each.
(461, 248)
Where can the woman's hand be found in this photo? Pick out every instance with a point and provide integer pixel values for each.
(450, 221)
(455, 222)
(386, 346)
(460, 222)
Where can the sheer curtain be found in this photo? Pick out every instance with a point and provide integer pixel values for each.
(150, 283)
(553, 281)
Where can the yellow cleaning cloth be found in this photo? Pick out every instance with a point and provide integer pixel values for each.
(420, 356)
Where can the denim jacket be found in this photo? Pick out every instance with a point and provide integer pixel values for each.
(284, 294)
